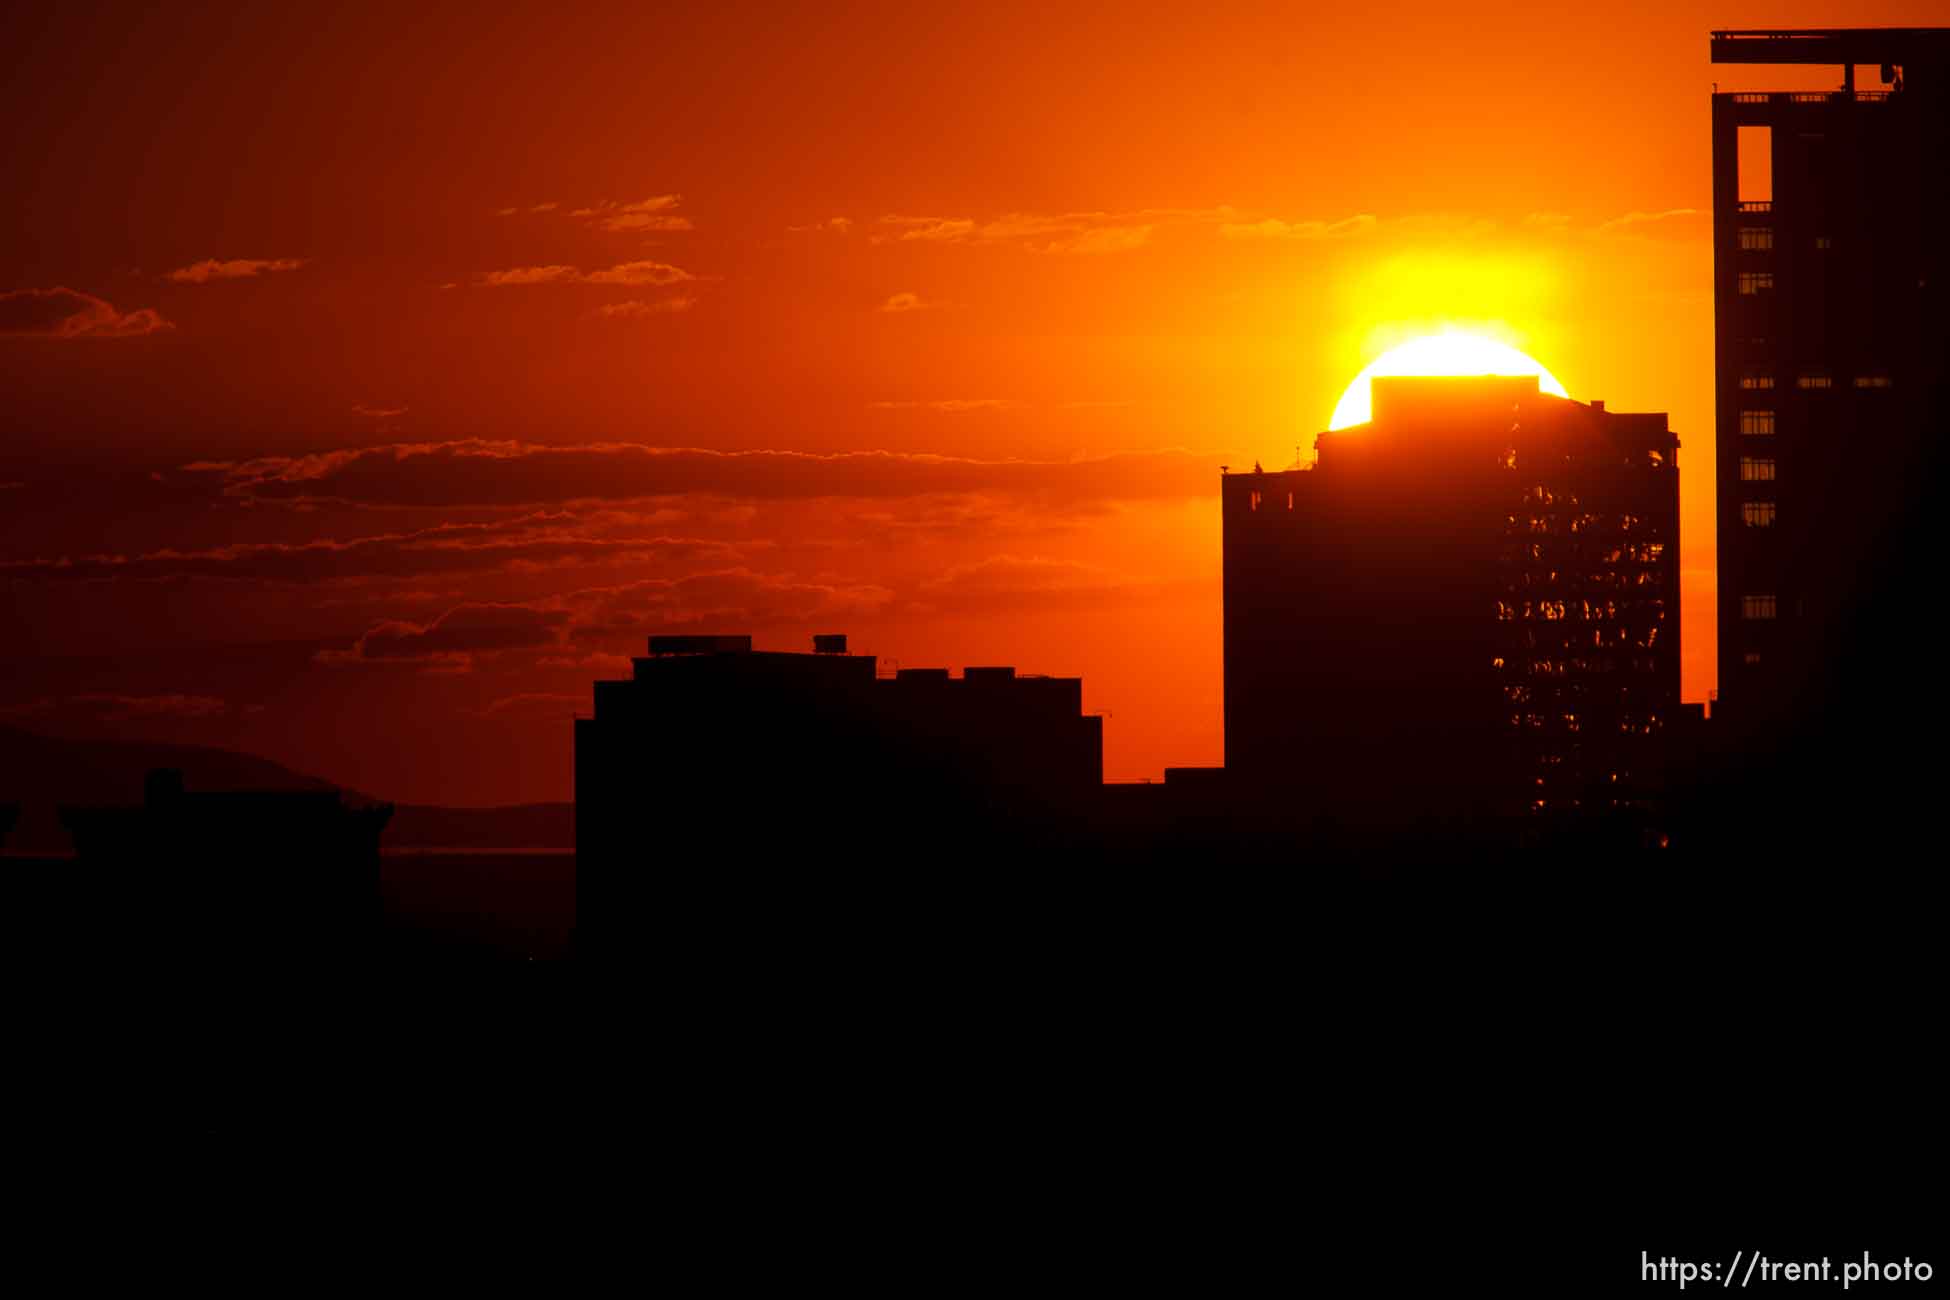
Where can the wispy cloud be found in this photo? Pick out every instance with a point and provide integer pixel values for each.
(639, 273)
(637, 307)
(1017, 582)
(62, 313)
(1646, 218)
(728, 597)
(1103, 239)
(1068, 232)
(123, 708)
(633, 274)
(566, 625)
(456, 637)
(1273, 228)
(901, 302)
(379, 412)
(834, 225)
(952, 405)
(479, 472)
(651, 214)
(535, 704)
(529, 543)
(531, 275)
(933, 229)
(242, 268)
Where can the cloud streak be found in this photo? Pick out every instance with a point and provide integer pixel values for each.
(636, 307)
(634, 274)
(63, 313)
(952, 405)
(123, 708)
(612, 615)
(237, 269)
(456, 638)
(1272, 228)
(1646, 218)
(1083, 233)
(653, 214)
(532, 542)
(478, 472)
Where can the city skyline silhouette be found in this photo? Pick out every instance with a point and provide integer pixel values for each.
(934, 634)
(424, 601)
(285, 467)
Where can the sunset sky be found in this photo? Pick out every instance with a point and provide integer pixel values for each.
(377, 377)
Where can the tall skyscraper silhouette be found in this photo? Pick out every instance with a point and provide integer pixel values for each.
(1467, 608)
(1832, 333)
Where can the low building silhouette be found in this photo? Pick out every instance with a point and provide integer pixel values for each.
(275, 875)
(1465, 611)
(714, 758)
(9, 814)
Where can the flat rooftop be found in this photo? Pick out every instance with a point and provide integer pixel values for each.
(1898, 45)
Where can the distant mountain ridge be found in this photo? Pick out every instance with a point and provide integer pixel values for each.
(40, 773)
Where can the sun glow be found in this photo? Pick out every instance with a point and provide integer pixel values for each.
(1448, 353)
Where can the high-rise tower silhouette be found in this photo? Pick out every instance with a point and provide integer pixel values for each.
(1832, 333)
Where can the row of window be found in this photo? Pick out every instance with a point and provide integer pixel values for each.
(1760, 608)
(1816, 380)
(1757, 514)
(1759, 239)
(1756, 469)
(1580, 664)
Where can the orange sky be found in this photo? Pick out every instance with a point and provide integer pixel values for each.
(958, 313)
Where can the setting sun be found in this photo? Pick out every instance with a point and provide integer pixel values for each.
(1448, 353)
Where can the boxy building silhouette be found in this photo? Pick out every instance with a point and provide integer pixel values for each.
(252, 876)
(714, 759)
(1466, 609)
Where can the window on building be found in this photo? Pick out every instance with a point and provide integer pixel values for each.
(1758, 608)
(1756, 381)
(1757, 514)
(1756, 239)
(1814, 381)
(1753, 154)
(1254, 502)
(1751, 657)
(1753, 282)
(1872, 381)
(1823, 241)
(1756, 469)
(1754, 423)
